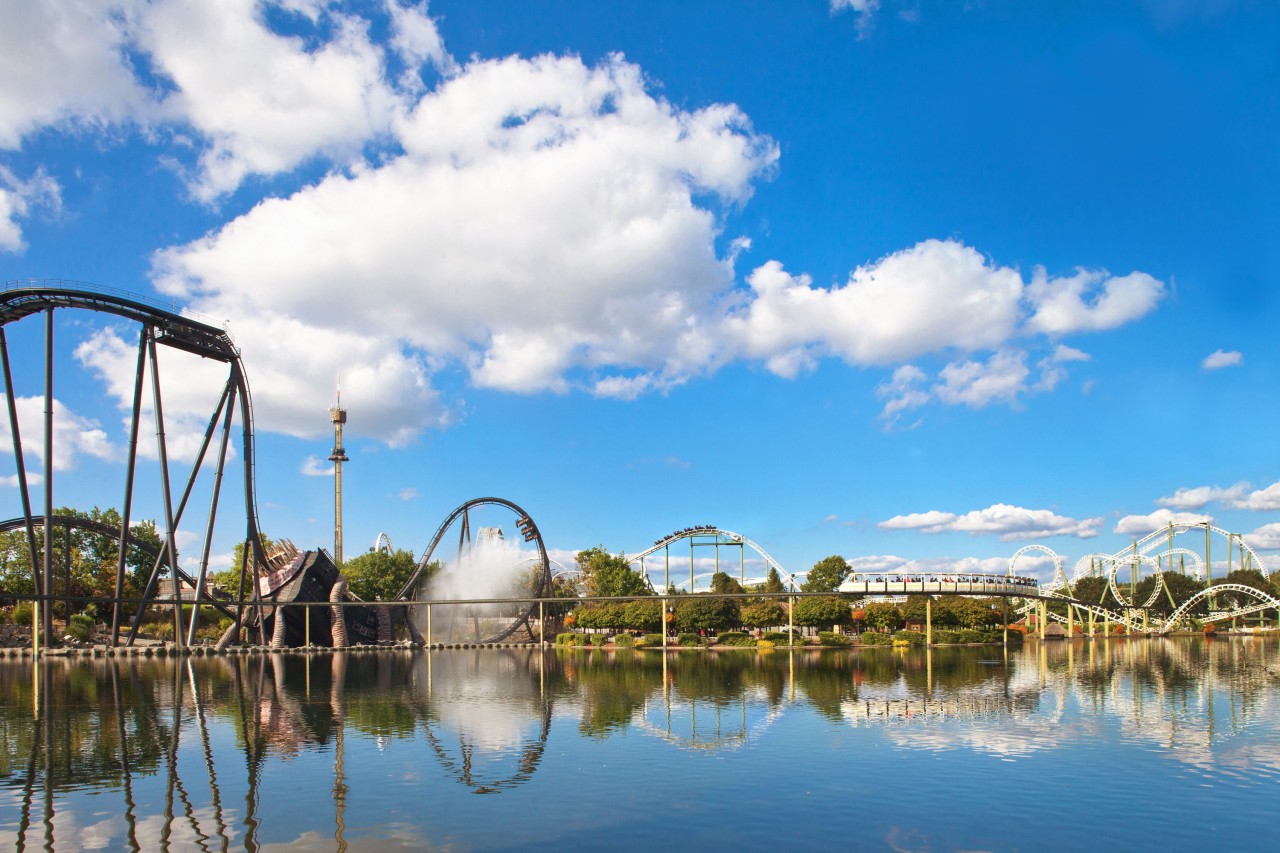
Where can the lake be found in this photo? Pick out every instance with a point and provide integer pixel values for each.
(1131, 745)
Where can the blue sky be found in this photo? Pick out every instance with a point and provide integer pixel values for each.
(916, 283)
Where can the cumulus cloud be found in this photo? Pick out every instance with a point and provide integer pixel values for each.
(1010, 523)
(18, 198)
(1239, 496)
(73, 436)
(1219, 359)
(1141, 525)
(1259, 500)
(1089, 300)
(1265, 538)
(542, 224)
(541, 229)
(1201, 496)
(254, 100)
(863, 10)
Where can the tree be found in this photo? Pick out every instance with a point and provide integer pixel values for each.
(701, 611)
(826, 575)
(823, 610)
(1177, 587)
(378, 576)
(883, 615)
(607, 574)
(93, 558)
(773, 582)
(763, 614)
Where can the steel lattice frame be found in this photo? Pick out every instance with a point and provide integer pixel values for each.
(157, 326)
(722, 537)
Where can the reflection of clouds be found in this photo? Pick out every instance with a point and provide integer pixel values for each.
(487, 707)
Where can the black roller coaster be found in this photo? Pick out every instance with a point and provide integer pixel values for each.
(156, 327)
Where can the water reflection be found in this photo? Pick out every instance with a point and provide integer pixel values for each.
(222, 753)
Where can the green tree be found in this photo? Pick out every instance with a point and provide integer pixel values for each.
(826, 575)
(821, 611)
(1177, 589)
(378, 576)
(701, 611)
(608, 574)
(763, 614)
(882, 615)
(773, 582)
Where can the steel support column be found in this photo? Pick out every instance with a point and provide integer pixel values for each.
(130, 469)
(163, 456)
(46, 566)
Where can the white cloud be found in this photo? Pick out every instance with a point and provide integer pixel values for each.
(1201, 496)
(903, 392)
(63, 66)
(1259, 500)
(540, 228)
(11, 480)
(1141, 525)
(73, 435)
(257, 102)
(1265, 538)
(313, 466)
(1090, 300)
(1010, 523)
(977, 385)
(1219, 359)
(407, 494)
(935, 295)
(17, 200)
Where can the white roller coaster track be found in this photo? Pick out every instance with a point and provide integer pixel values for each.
(732, 539)
(1153, 540)
(1266, 602)
(1139, 559)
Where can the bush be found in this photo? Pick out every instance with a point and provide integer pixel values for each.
(735, 638)
(911, 638)
(829, 638)
(872, 638)
(22, 613)
(783, 638)
(597, 640)
(689, 640)
(651, 640)
(80, 627)
(624, 641)
(950, 638)
(162, 630)
(566, 639)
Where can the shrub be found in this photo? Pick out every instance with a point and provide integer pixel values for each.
(624, 641)
(829, 638)
(782, 637)
(948, 638)
(651, 640)
(689, 640)
(1210, 629)
(764, 645)
(735, 638)
(872, 638)
(972, 636)
(163, 630)
(566, 639)
(910, 638)
(80, 626)
(22, 613)
(597, 640)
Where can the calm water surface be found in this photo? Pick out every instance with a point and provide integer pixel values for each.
(1147, 744)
